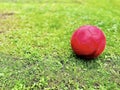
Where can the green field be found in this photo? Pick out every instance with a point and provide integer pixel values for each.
(35, 51)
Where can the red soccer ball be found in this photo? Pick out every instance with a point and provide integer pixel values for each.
(88, 41)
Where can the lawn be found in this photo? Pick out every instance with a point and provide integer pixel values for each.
(35, 51)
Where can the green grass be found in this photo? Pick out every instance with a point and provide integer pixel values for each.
(35, 52)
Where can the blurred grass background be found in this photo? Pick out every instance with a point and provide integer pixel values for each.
(35, 51)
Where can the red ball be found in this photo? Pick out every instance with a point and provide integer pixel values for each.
(88, 41)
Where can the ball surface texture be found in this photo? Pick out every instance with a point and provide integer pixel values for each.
(88, 41)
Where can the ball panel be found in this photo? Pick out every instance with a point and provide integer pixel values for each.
(94, 30)
(101, 47)
(83, 35)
